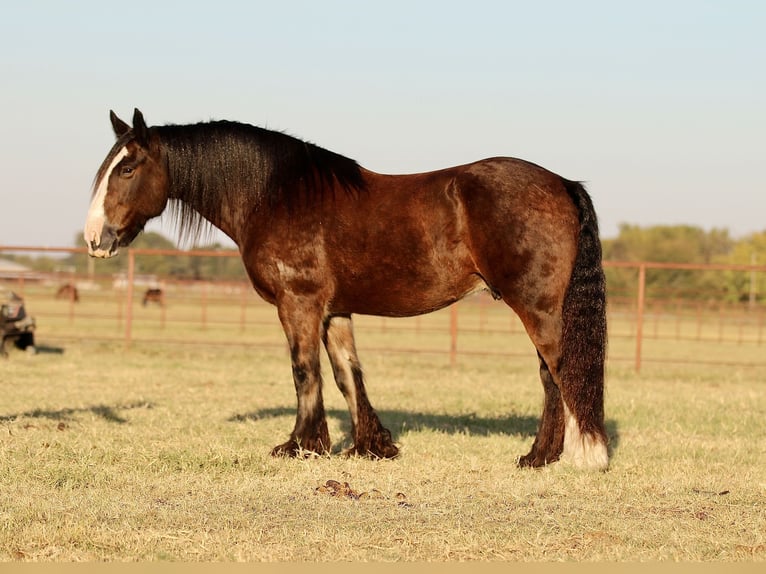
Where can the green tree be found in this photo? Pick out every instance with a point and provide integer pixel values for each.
(177, 266)
(84, 264)
(744, 286)
(668, 244)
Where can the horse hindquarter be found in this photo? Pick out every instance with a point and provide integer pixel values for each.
(535, 239)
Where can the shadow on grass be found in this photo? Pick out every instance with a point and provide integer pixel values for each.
(399, 422)
(48, 350)
(34, 350)
(106, 412)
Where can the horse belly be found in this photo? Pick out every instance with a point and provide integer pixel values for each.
(404, 292)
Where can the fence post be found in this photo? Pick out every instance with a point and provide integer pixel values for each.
(243, 306)
(751, 297)
(453, 335)
(129, 297)
(640, 314)
(72, 297)
(163, 308)
(203, 318)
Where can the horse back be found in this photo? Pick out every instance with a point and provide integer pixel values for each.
(411, 244)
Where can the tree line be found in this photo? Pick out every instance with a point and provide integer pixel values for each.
(687, 244)
(181, 267)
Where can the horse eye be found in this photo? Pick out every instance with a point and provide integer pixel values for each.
(126, 170)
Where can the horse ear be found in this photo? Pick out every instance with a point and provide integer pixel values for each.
(118, 125)
(140, 131)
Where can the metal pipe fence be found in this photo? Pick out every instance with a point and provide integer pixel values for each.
(646, 325)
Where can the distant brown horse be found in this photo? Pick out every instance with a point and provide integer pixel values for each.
(322, 238)
(154, 296)
(69, 292)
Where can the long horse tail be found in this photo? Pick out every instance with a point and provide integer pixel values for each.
(584, 340)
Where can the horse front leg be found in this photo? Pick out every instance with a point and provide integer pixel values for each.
(371, 438)
(303, 326)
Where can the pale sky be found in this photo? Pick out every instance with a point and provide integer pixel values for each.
(659, 106)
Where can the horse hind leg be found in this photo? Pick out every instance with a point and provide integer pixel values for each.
(371, 438)
(585, 438)
(572, 425)
(549, 442)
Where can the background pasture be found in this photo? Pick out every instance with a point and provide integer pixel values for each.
(159, 451)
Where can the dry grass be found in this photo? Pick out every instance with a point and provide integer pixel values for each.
(161, 454)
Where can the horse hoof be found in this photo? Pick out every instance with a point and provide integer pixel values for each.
(388, 451)
(534, 461)
(527, 461)
(291, 449)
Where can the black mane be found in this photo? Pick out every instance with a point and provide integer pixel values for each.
(217, 163)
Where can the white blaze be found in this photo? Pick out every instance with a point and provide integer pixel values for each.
(94, 223)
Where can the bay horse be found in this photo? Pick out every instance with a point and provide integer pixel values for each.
(153, 295)
(323, 238)
(68, 291)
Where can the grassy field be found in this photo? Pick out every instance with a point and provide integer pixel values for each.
(160, 453)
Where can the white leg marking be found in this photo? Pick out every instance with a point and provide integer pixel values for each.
(309, 403)
(343, 356)
(94, 223)
(582, 450)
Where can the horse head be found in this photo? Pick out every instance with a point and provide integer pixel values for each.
(130, 188)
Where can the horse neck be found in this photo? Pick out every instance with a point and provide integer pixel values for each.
(223, 171)
(205, 182)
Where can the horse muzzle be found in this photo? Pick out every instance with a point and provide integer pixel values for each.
(103, 245)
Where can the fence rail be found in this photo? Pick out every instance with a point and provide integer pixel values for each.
(669, 328)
